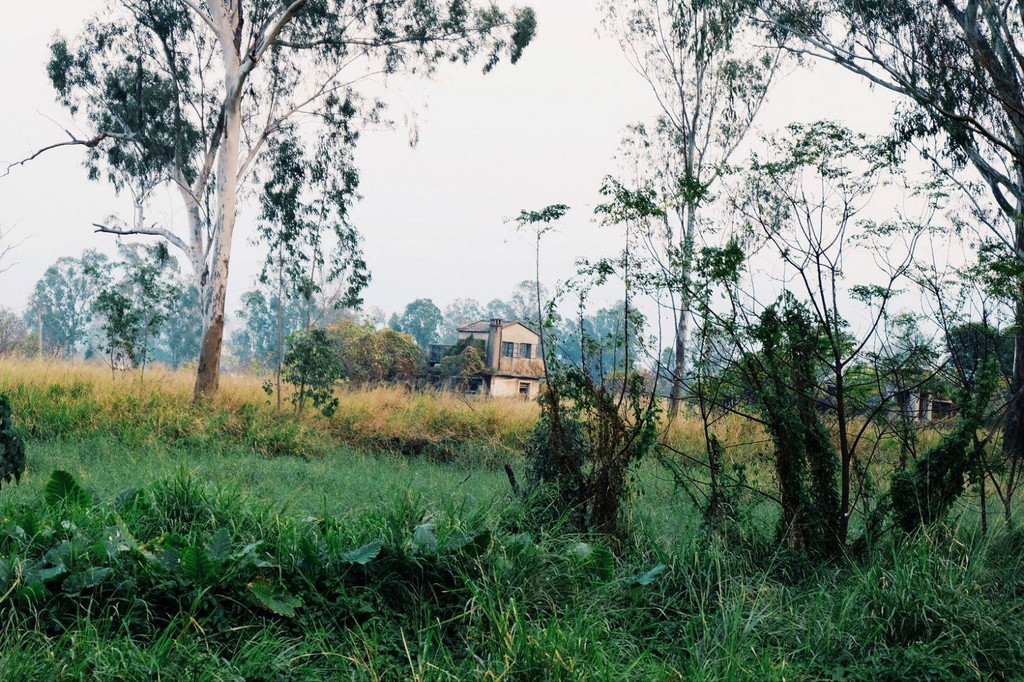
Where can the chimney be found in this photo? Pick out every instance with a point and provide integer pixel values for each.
(494, 343)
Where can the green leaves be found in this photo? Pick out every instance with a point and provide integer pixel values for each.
(363, 555)
(219, 546)
(63, 489)
(274, 598)
(12, 447)
(197, 565)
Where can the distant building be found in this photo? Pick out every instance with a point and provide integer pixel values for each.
(511, 355)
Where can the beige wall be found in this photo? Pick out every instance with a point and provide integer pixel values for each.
(517, 333)
(503, 387)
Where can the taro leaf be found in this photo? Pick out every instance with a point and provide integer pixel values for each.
(168, 559)
(274, 598)
(78, 582)
(103, 549)
(63, 489)
(42, 575)
(219, 545)
(472, 546)
(363, 555)
(29, 523)
(244, 555)
(195, 564)
(649, 577)
(424, 538)
(58, 553)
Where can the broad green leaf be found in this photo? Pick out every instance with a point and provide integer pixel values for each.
(423, 537)
(62, 488)
(363, 555)
(219, 545)
(274, 598)
(195, 564)
(648, 577)
(473, 546)
(45, 574)
(87, 580)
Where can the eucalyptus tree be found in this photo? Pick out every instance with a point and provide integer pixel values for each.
(421, 320)
(700, 61)
(539, 223)
(189, 94)
(13, 332)
(311, 243)
(459, 312)
(959, 67)
(60, 306)
(133, 309)
(255, 343)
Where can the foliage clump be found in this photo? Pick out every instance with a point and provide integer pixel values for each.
(464, 359)
(924, 494)
(12, 447)
(580, 453)
(785, 381)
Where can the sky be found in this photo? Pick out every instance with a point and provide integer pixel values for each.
(433, 216)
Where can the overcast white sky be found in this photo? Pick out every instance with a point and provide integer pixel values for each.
(542, 132)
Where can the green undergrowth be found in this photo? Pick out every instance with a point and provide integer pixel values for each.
(185, 579)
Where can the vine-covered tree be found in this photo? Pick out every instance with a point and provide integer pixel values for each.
(959, 65)
(190, 95)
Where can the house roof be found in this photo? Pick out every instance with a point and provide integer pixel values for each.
(485, 325)
(481, 326)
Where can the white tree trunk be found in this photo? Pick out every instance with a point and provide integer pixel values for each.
(228, 22)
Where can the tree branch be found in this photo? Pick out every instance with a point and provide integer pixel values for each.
(148, 231)
(91, 143)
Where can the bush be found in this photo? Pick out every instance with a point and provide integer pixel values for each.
(12, 448)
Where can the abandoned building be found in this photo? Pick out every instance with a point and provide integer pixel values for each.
(924, 406)
(512, 362)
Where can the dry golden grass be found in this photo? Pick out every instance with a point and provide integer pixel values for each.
(67, 399)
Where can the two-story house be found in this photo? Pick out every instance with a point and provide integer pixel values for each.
(512, 356)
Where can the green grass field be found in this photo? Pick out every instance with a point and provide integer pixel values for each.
(230, 543)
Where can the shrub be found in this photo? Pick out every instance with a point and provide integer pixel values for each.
(12, 448)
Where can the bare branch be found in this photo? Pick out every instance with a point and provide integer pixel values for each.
(152, 231)
(91, 143)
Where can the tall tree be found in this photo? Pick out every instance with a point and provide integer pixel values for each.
(255, 343)
(311, 244)
(60, 306)
(709, 82)
(13, 332)
(133, 309)
(187, 94)
(421, 320)
(459, 312)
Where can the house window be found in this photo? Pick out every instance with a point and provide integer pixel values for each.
(524, 389)
(508, 349)
(525, 350)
